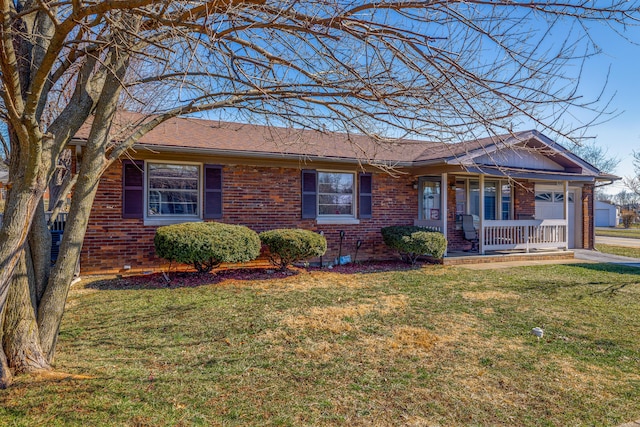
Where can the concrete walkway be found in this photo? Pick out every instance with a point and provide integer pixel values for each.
(595, 256)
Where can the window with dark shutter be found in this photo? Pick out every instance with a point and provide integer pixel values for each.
(132, 188)
(309, 194)
(366, 201)
(212, 191)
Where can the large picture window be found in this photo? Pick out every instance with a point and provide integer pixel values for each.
(172, 190)
(335, 194)
(498, 200)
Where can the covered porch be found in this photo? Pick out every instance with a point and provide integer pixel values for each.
(523, 193)
(510, 214)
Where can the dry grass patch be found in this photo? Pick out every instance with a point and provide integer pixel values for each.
(406, 340)
(454, 328)
(487, 295)
(409, 339)
(342, 318)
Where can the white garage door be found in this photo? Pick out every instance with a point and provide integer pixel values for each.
(550, 205)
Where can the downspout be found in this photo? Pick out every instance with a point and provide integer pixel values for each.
(444, 208)
(565, 189)
(481, 202)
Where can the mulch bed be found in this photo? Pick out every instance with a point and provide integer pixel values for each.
(193, 279)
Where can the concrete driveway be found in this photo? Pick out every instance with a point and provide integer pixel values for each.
(618, 241)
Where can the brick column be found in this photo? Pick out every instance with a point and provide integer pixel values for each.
(588, 231)
(524, 199)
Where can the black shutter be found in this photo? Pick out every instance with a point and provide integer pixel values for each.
(212, 191)
(309, 194)
(365, 205)
(132, 188)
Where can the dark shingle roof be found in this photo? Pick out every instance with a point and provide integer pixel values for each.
(227, 138)
(238, 138)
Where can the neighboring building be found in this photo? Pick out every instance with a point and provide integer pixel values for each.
(525, 191)
(606, 214)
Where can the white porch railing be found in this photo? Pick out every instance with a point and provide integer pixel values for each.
(527, 235)
(59, 223)
(433, 225)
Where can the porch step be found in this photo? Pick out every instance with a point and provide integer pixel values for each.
(490, 258)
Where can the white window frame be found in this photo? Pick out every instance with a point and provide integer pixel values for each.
(555, 196)
(338, 218)
(467, 190)
(421, 182)
(172, 219)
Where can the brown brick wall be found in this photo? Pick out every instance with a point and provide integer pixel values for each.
(261, 198)
(588, 231)
(524, 201)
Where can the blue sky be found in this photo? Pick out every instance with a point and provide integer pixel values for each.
(621, 59)
(621, 134)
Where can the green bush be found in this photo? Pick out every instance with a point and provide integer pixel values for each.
(206, 244)
(412, 242)
(289, 245)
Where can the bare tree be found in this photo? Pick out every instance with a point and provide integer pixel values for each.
(597, 155)
(439, 70)
(633, 182)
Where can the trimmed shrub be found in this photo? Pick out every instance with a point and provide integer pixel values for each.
(628, 218)
(412, 242)
(289, 245)
(206, 245)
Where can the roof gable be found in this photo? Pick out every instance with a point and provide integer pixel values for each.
(529, 150)
(519, 157)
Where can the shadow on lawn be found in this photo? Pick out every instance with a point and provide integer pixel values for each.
(192, 279)
(610, 268)
(603, 286)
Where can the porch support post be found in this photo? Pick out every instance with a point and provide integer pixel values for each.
(444, 208)
(481, 211)
(565, 189)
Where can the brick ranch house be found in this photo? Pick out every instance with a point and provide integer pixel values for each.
(525, 191)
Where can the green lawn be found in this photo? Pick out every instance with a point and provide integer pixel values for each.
(619, 250)
(433, 346)
(633, 233)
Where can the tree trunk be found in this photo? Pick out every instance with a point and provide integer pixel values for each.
(5, 374)
(55, 295)
(57, 185)
(40, 246)
(18, 215)
(20, 340)
(94, 162)
(51, 307)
